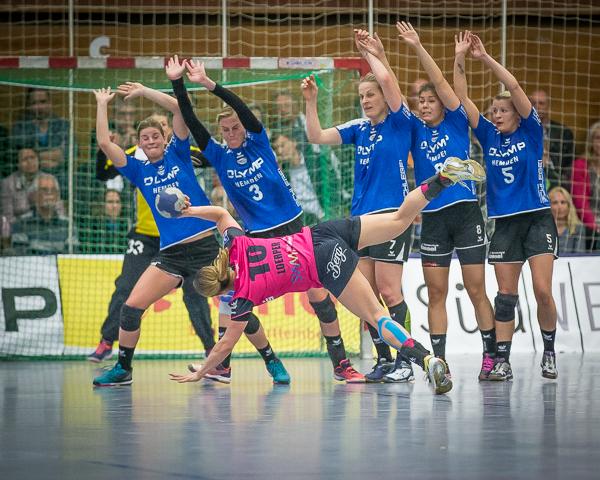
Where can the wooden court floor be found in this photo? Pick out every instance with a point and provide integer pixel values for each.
(54, 425)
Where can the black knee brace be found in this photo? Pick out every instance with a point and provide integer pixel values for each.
(131, 318)
(253, 324)
(325, 310)
(504, 307)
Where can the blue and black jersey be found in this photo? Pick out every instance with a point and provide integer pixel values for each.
(431, 146)
(381, 155)
(515, 173)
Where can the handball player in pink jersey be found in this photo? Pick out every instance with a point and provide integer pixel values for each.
(261, 269)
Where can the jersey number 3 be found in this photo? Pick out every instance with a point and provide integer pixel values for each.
(255, 190)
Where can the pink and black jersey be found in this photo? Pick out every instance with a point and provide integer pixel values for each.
(267, 268)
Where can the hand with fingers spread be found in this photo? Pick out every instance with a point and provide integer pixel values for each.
(185, 378)
(104, 95)
(175, 69)
(477, 48)
(197, 74)
(407, 33)
(131, 90)
(310, 90)
(462, 43)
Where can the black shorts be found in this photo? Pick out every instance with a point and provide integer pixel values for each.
(459, 227)
(520, 237)
(185, 259)
(335, 243)
(394, 251)
(282, 230)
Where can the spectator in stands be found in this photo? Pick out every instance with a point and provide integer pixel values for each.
(287, 117)
(6, 165)
(5, 230)
(289, 154)
(585, 181)
(571, 232)
(15, 187)
(107, 232)
(553, 174)
(43, 231)
(41, 129)
(560, 137)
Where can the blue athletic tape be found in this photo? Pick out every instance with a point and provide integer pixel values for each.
(392, 327)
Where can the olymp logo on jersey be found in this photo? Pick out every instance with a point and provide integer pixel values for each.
(248, 175)
(433, 149)
(160, 179)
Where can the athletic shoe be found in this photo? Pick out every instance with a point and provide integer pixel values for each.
(501, 371)
(380, 370)
(487, 365)
(103, 352)
(402, 372)
(114, 377)
(278, 372)
(549, 365)
(459, 171)
(435, 369)
(217, 374)
(346, 372)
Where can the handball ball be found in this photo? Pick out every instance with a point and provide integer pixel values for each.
(169, 202)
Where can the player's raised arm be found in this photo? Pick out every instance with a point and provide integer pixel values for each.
(197, 74)
(371, 48)
(314, 132)
(131, 90)
(519, 98)
(111, 149)
(462, 46)
(442, 87)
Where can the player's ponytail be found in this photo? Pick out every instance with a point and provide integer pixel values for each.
(213, 279)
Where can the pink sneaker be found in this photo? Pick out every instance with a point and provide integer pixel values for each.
(103, 352)
(487, 365)
(346, 372)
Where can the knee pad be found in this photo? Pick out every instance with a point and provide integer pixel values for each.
(253, 324)
(325, 310)
(131, 318)
(504, 307)
(391, 332)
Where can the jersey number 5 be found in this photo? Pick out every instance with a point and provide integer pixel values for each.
(508, 176)
(256, 254)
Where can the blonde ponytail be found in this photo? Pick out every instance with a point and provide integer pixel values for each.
(212, 280)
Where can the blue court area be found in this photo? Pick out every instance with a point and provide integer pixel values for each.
(54, 425)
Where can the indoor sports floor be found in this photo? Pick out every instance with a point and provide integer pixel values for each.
(54, 425)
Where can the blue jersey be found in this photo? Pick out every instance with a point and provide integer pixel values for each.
(430, 148)
(515, 172)
(254, 183)
(381, 154)
(173, 170)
